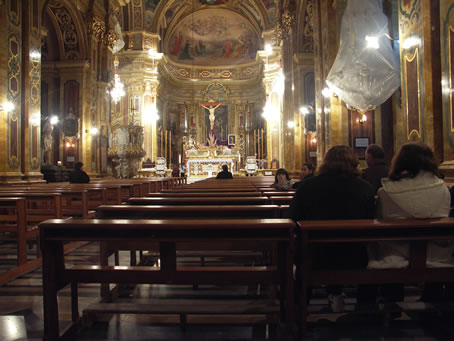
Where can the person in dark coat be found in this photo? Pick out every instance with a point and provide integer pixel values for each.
(377, 168)
(78, 176)
(224, 174)
(307, 171)
(337, 192)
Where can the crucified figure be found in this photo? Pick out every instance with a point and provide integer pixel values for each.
(211, 109)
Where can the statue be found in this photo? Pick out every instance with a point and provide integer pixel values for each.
(211, 108)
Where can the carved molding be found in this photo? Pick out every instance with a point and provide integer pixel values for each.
(97, 28)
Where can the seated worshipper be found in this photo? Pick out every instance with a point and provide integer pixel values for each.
(337, 192)
(78, 176)
(377, 168)
(282, 180)
(414, 189)
(224, 174)
(307, 171)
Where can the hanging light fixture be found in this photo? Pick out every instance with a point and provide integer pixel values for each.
(117, 91)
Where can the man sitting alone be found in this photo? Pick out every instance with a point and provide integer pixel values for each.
(224, 174)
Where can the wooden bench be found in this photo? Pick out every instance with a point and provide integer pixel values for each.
(53, 233)
(22, 215)
(204, 194)
(200, 201)
(416, 232)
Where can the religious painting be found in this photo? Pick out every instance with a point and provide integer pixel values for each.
(232, 140)
(270, 6)
(220, 122)
(213, 37)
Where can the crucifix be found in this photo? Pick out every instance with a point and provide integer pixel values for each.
(211, 106)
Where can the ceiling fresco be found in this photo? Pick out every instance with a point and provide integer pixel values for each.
(213, 37)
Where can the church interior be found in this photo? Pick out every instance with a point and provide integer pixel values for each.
(153, 97)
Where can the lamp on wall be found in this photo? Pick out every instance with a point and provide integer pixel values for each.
(7, 107)
(362, 119)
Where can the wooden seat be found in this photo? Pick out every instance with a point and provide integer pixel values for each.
(415, 231)
(166, 233)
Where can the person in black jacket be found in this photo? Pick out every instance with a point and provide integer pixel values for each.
(224, 174)
(78, 176)
(377, 168)
(307, 171)
(337, 192)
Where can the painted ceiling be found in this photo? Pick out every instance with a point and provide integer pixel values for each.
(213, 37)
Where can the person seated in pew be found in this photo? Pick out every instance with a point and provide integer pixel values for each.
(376, 166)
(414, 189)
(307, 171)
(78, 176)
(282, 180)
(224, 174)
(337, 192)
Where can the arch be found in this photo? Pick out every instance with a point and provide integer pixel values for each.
(69, 29)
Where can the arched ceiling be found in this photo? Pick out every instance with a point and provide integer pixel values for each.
(214, 32)
(213, 37)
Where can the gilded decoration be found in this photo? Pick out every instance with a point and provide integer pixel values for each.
(14, 66)
(111, 38)
(13, 142)
(137, 17)
(413, 96)
(13, 13)
(450, 37)
(410, 13)
(67, 29)
(97, 28)
(35, 82)
(247, 72)
(308, 33)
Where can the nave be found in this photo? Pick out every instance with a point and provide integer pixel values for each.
(164, 304)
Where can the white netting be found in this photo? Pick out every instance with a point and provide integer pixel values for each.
(364, 77)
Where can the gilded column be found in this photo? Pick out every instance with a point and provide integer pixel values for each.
(31, 86)
(11, 86)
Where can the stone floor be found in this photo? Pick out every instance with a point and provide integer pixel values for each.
(21, 314)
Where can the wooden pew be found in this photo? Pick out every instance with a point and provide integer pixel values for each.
(204, 194)
(53, 233)
(200, 201)
(12, 219)
(74, 201)
(416, 231)
(22, 215)
(185, 211)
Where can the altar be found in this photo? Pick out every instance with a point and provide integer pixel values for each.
(206, 160)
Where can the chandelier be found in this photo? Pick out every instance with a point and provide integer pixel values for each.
(117, 91)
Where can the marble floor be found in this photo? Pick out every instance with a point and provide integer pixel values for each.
(21, 314)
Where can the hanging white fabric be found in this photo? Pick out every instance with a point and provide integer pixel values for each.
(365, 73)
(120, 43)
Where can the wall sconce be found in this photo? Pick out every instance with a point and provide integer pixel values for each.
(291, 124)
(70, 144)
(54, 120)
(362, 119)
(314, 140)
(7, 107)
(94, 131)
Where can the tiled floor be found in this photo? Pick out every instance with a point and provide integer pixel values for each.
(21, 308)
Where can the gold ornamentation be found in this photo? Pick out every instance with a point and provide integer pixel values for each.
(97, 28)
(111, 38)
